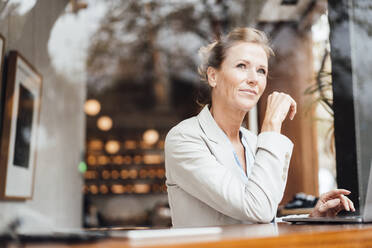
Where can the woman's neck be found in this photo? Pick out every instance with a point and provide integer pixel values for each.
(228, 119)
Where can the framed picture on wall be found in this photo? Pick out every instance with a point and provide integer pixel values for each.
(2, 51)
(2, 48)
(20, 127)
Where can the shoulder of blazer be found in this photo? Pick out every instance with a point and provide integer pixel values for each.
(188, 126)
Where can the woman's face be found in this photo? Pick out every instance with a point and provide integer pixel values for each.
(241, 79)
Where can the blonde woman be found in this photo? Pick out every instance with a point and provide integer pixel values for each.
(217, 171)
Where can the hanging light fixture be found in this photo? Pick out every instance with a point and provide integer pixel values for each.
(112, 146)
(92, 107)
(150, 136)
(104, 123)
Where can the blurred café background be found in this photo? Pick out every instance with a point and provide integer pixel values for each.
(118, 74)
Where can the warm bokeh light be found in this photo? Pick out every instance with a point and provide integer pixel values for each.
(124, 174)
(91, 160)
(103, 189)
(141, 188)
(127, 159)
(151, 173)
(93, 189)
(133, 173)
(91, 174)
(106, 174)
(112, 146)
(152, 159)
(95, 145)
(103, 160)
(115, 174)
(150, 136)
(118, 160)
(117, 189)
(160, 173)
(137, 159)
(92, 107)
(130, 144)
(104, 123)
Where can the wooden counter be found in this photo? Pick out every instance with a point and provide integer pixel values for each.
(258, 235)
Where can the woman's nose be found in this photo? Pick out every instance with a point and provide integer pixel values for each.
(252, 77)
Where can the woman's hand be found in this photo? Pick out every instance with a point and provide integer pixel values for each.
(278, 106)
(332, 202)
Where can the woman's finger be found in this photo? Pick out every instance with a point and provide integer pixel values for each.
(336, 210)
(351, 204)
(334, 193)
(293, 108)
(344, 202)
(329, 205)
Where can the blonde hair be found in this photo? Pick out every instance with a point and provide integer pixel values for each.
(213, 54)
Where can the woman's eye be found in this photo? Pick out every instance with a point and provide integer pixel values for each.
(263, 71)
(241, 66)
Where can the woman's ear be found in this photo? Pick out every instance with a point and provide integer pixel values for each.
(212, 76)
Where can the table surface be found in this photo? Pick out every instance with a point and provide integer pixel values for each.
(254, 235)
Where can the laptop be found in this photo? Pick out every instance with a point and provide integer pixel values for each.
(365, 211)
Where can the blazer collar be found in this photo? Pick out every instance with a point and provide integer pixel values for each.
(209, 125)
(215, 133)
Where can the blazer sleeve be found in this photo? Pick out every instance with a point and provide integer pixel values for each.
(191, 165)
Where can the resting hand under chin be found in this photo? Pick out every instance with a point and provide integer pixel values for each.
(332, 202)
(279, 105)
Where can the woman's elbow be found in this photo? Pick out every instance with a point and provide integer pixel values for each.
(265, 217)
(264, 212)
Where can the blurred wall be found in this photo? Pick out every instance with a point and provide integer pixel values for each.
(57, 198)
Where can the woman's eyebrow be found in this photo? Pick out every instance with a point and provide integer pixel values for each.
(249, 62)
(263, 66)
(243, 60)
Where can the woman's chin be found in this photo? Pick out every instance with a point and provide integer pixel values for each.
(247, 105)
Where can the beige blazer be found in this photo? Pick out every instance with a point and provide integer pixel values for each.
(206, 187)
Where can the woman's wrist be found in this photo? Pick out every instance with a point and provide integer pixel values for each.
(271, 126)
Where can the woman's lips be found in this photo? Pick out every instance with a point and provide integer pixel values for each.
(249, 91)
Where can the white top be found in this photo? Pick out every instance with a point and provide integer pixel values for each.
(205, 185)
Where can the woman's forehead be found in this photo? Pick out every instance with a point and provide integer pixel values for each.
(249, 51)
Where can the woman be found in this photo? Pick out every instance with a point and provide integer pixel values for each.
(219, 172)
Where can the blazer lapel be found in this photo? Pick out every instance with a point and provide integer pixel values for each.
(223, 149)
(210, 127)
(251, 140)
